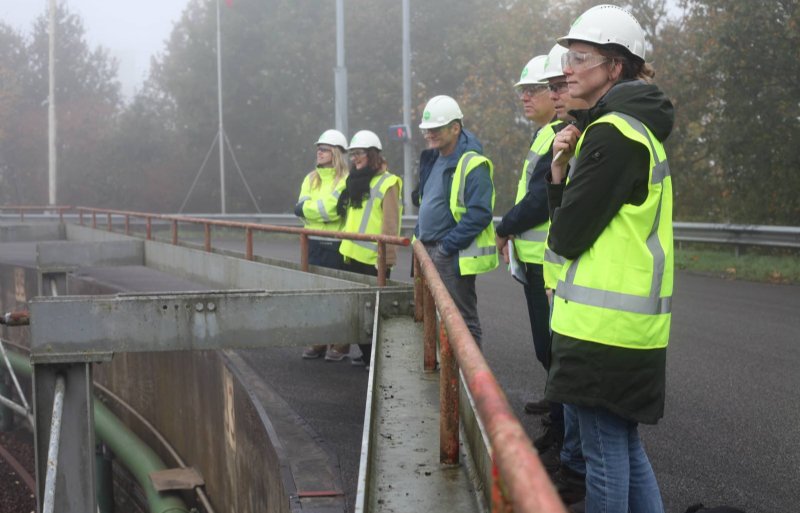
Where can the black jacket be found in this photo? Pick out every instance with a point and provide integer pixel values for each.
(611, 171)
(532, 209)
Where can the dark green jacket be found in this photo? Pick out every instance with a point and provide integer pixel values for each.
(610, 172)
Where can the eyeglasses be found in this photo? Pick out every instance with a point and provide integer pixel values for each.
(581, 61)
(434, 131)
(530, 90)
(324, 149)
(357, 153)
(558, 87)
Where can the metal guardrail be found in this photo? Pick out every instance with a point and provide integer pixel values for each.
(519, 481)
(738, 235)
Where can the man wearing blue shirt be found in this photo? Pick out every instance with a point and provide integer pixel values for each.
(456, 198)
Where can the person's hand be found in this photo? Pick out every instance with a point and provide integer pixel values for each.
(563, 150)
(502, 247)
(549, 293)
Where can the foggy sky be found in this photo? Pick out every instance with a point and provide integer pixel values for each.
(131, 30)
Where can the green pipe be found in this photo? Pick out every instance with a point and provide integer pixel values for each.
(137, 457)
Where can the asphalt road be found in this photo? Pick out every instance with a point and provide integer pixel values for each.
(731, 431)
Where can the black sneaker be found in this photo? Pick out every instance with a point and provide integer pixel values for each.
(537, 407)
(571, 486)
(551, 459)
(550, 438)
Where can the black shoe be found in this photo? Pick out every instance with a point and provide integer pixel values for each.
(570, 485)
(551, 437)
(578, 507)
(551, 459)
(537, 407)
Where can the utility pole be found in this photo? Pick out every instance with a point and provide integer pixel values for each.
(51, 109)
(221, 132)
(340, 73)
(407, 145)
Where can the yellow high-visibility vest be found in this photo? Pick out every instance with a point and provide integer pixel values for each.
(319, 203)
(481, 255)
(369, 219)
(529, 245)
(619, 291)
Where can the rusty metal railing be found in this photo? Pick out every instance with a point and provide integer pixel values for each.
(249, 229)
(23, 209)
(520, 482)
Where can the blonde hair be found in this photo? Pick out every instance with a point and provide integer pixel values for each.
(339, 164)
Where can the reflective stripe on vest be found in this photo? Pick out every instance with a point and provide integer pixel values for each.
(614, 317)
(553, 262)
(529, 244)
(362, 250)
(481, 255)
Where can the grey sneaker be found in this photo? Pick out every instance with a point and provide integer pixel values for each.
(358, 361)
(312, 352)
(334, 356)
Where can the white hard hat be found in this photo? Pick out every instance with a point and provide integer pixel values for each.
(439, 111)
(608, 24)
(334, 138)
(365, 139)
(552, 66)
(531, 71)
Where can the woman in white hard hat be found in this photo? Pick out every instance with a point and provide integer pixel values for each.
(612, 222)
(316, 206)
(370, 204)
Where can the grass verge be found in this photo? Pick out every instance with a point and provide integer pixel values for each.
(768, 266)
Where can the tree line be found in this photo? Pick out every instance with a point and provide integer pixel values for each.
(729, 66)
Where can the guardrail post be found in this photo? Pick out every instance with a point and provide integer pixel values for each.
(94, 220)
(110, 225)
(381, 264)
(418, 288)
(127, 224)
(448, 401)
(304, 252)
(248, 237)
(174, 232)
(80, 217)
(207, 236)
(149, 227)
(428, 327)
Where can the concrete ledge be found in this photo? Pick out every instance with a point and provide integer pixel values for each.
(54, 256)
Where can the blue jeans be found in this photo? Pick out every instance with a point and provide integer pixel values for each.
(619, 478)
(571, 455)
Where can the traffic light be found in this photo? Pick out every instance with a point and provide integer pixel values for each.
(398, 133)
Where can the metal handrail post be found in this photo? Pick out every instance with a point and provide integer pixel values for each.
(175, 232)
(428, 328)
(207, 236)
(52, 450)
(448, 401)
(381, 264)
(248, 250)
(110, 224)
(304, 253)
(418, 288)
